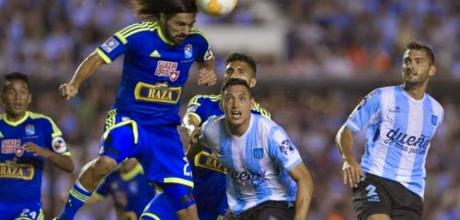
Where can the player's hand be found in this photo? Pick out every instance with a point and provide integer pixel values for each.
(352, 173)
(67, 91)
(207, 77)
(194, 136)
(36, 150)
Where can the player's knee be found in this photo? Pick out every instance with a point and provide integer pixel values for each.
(181, 196)
(104, 165)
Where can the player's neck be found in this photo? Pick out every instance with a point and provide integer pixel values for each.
(239, 130)
(416, 91)
(15, 118)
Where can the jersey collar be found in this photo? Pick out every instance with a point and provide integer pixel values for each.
(163, 37)
(16, 123)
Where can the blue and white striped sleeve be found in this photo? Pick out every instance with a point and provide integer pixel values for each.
(364, 111)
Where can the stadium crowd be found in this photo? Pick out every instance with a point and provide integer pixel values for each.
(327, 39)
(334, 38)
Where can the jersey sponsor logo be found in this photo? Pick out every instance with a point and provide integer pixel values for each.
(208, 161)
(167, 69)
(408, 143)
(247, 178)
(155, 54)
(286, 147)
(109, 45)
(159, 92)
(30, 129)
(258, 153)
(188, 51)
(16, 171)
(9, 145)
(59, 146)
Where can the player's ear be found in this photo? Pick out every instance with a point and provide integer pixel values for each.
(432, 70)
(252, 83)
(162, 18)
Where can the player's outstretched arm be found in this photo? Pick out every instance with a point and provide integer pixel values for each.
(64, 162)
(351, 169)
(302, 177)
(85, 70)
(206, 72)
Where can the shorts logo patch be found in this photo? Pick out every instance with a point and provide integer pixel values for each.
(372, 195)
(109, 45)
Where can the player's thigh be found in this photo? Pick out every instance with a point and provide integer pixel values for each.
(370, 198)
(120, 141)
(406, 204)
(163, 157)
(159, 208)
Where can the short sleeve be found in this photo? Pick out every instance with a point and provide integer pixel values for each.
(282, 150)
(203, 51)
(55, 140)
(361, 115)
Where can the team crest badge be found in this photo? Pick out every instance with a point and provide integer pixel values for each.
(188, 51)
(30, 129)
(19, 151)
(173, 76)
(258, 153)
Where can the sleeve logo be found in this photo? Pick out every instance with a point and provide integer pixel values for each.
(286, 147)
(59, 146)
(208, 55)
(110, 44)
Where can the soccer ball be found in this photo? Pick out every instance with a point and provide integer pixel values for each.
(216, 7)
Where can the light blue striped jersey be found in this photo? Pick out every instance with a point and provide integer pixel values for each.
(257, 162)
(399, 130)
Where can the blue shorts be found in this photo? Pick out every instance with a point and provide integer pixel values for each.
(158, 149)
(23, 211)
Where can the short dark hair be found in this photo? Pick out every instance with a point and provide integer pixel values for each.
(151, 9)
(235, 81)
(419, 45)
(15, 76)
(242, 57)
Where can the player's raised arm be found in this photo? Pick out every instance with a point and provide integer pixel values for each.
(85, 70)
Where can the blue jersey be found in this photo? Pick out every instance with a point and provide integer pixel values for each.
(399, 130)
(208, 172)
(131, 191)
(21, 171)
(154, 71)
(257, 162)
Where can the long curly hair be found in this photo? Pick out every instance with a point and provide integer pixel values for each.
(151, 9)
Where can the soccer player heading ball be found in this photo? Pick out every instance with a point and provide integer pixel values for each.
(143, 122)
